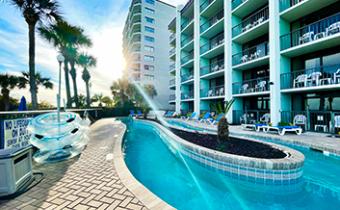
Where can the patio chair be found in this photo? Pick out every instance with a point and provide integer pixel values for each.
(210, 93)
(205, 117)
(221, 91)
(192, 116)
(132, 113)
(244, 58)
(265, 118)
(261, 86)
(336, 78)
(215, 68)
(139, 113)
(300, 120)
(244, 88)
(281, 130)
(314, 79)
(306, 37)
(333, 29)
(300, 80)
(218, 118)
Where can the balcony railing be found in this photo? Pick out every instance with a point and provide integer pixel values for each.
(251, 22)
(248, 116)
(252, 53)
(187, 58)
(172, 97)
(212, 21)
(313, 120)
(323, 28)
(251, 86)
(185, 23)
(172, 37)
(172, 51)
(186, 40)
(285, 4)
(319, 76)
(218, 66)
(213, 43)
(205, 4)
(189, 95)
(172, 82)
(172, 67)
(213, 92)
(187, 77)
(236, 3)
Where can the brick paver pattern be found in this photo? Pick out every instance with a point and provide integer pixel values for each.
(85, 182)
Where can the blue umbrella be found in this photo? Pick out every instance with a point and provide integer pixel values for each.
(22, 105)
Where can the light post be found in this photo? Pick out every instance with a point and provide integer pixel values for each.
(60, 59)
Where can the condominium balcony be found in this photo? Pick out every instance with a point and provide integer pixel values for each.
(172, 53)
(319, 35)
(252, 27)
(172, 67)
(187, 96)
(172, 97)
(292, 10)
(172, 39)
(187, 43)
(172, 84)
(187, 25)
(135, 5)
(249, 116)
(213, 70)
(258, 86)
(213, 26)
(213, 48)
(209, 8)
(187, 78)
(243, 8)
(252, 57)
(213, 92)
(187, 61)
(306, 80)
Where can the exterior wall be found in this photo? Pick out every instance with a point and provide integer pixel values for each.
(163, 14)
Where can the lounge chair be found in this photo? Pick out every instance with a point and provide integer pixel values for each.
(218, 118)
(281, 130)
(205, 117)
(139, 113)
(191, 117)
(132, 113)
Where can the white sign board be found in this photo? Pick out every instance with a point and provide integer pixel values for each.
(16, 134)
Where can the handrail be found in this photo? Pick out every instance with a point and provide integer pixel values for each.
(251, 53)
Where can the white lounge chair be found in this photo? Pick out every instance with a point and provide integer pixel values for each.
(281, 130)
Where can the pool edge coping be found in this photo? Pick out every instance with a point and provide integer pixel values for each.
(149, 199)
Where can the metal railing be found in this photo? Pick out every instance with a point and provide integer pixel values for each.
(212, 21)
(251, 53)
(172, 67)
(186, 40)
(236, 3)
(172, 37)
(320, 29)
(185, 23)
(172, 97)
(187, 77)
(251, 86)
(188, 95)
(312, 120)
(248, 116)
(218, 66)
(172, 82)
(205, 4)
(213, 92)
(285, 4)
(251, 22)
(187, 58)
(172, 51)
(213, 43)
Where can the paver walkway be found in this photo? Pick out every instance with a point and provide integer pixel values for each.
(87, 182)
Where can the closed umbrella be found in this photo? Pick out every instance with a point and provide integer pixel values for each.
(22, 105)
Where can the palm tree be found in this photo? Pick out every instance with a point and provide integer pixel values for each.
(98, 98)
(121, 91)
(223, 125)
(7, 83)
(39, 81)
(150, 90)
(107, 101)
(65, 37)
(82, 101)
(35, 11)
(87, 61)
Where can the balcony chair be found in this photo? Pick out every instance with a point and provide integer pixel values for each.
(333, 29)
(336, 79)
(314, 79)
(306, 37)
(258, 21)
(215, 68)
(244, 88)
(244, 58)
(210, 93)
(300, 120)
(221, 91)
(320, 124)
(301, 79)
(265, 118)
(261, 86)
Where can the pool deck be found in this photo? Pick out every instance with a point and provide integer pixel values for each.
(318, 141)
(89, 181)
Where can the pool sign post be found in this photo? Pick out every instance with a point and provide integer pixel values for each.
(60, 59)
(14, 133)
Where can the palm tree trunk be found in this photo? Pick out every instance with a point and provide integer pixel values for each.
(67, 84)
(31, 35)
(88, 97)
(6, 98)
(74, 80)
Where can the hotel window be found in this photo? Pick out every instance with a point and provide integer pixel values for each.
(149, 29)
(149, 77)
(149, 48)
(149, 39)
(150, 20)
(150, 11)
(150, 1)
(149, 67)
(149, 58)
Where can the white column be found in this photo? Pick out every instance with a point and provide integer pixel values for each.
(228, 55)
(274, 62)
(197, 56)
(178, 60)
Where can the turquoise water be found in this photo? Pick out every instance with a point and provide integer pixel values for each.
(185, 184)
(186, 125)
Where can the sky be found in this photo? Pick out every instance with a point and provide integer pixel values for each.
(102, 20)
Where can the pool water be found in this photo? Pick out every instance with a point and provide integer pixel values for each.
(187, 126)
(186, 184)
